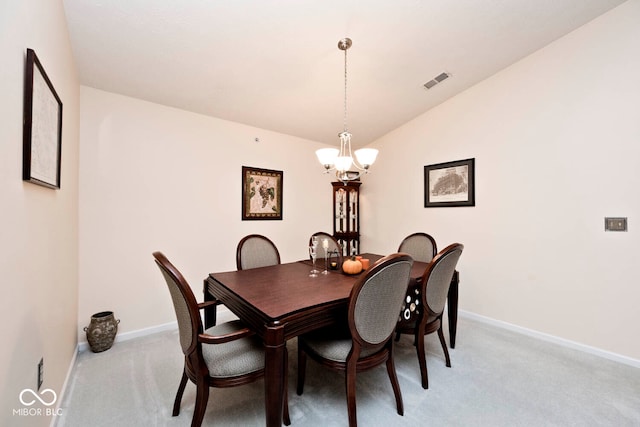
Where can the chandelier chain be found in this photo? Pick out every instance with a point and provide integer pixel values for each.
(345, 90)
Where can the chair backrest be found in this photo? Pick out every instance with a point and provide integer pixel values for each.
(334, 245)
(376, 299)
(421, 246)
(256, 251)
(437, 278)
(184, 304)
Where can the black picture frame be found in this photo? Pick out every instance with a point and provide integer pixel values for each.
(42, 129)
(450, 184)
(261, 194)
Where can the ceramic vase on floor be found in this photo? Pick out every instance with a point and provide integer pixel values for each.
(102, 331)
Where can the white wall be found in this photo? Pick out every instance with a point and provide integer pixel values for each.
(157, 178)
(556, 138)
(39, 236)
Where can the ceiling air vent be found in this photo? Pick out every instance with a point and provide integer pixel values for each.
(437, 79)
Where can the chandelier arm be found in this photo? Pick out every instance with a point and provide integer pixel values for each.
(345, 150)
(360, 167)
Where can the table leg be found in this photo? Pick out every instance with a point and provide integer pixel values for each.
(275, 347)
(209, 312)
(452, 308)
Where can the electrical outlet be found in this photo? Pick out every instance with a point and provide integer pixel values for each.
(40, 373)
(615, 224)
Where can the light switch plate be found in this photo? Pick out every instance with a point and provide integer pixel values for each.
(615, 224)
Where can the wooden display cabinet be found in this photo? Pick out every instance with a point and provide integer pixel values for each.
(346, 216)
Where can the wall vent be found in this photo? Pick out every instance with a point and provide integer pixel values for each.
(437, 79)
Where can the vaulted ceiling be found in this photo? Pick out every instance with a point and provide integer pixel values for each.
(275, 64)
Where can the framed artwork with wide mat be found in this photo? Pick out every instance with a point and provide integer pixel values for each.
(450, 184)
(261, 194)
(42, 128)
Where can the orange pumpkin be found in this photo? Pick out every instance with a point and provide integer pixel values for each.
(352, 266)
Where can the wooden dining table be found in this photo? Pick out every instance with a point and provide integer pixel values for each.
(281, 302)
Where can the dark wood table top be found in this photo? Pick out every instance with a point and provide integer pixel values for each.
(281, 290)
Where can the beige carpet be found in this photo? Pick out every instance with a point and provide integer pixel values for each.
(498, 378)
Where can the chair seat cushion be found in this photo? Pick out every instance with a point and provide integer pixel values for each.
(238, 357)
(332, 344)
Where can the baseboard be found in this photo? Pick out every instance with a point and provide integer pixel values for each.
(551, 338)
(60, 397)
(223, 315)
(126, 336)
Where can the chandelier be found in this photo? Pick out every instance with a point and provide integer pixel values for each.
(341, 160)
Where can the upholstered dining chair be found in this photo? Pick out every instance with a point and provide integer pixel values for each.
(421, 246)
(366, 340)
(256, 251)
(334, 246)
(224, 355)
(434, 288)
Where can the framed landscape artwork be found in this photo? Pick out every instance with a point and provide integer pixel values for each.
(42, 129)
(261, 194)
(450, 184)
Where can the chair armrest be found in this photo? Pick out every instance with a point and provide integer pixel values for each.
(219, 339)
(206, 304)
